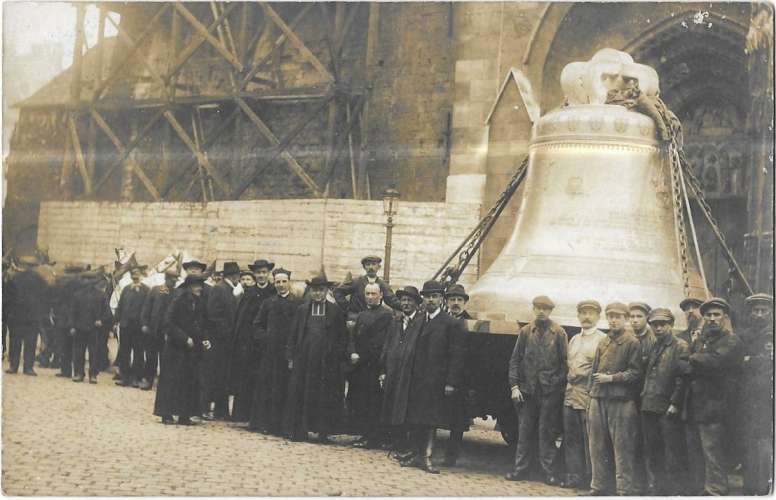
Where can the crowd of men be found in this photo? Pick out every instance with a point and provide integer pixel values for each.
(641, 409)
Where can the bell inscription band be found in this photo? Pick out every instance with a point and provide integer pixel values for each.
(596, 220)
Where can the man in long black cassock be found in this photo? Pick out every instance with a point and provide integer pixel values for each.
(365, 346)
(152, 319)
(221, 313)
(271, 328)
(90, 313)
(437, 375)
(244, 363)
(131, 356)
(186, 340)
(315, 352)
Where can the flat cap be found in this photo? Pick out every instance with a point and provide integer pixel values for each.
(690, 302)
(661, 314)
(617, 307)
(543, 300)
(640, 305)
(589, 304)
(371, 258)
(759, 298)
(715, 302)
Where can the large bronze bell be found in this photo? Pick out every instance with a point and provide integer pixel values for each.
(596, 220)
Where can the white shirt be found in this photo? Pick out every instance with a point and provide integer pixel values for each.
(430, 316)
(581, 353)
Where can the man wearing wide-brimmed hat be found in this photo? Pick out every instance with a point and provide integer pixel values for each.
(714, 358)
(131, 356)
(350, 296)
(152, 321)
(316, 350)
(26, 302)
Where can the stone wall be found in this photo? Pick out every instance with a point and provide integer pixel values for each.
(297, 234)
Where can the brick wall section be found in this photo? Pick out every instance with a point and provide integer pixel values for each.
(292, 233)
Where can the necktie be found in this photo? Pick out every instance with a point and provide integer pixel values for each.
(406, 322)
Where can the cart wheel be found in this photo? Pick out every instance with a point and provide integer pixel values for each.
(510, 437)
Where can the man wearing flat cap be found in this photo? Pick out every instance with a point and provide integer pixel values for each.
(128, 316)
(582, 348)
(613, 417)
(350, 296)
(691, 309)
(152, 321)
(714, 357)
(757, 395)
(537, 376)
(662, 398)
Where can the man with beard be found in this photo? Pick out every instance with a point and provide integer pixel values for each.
(350, 296)
(27, 311)
(691, 308)
(455, 300)
(757, 395)
(612, 417)
(152, 318)
(131, 356)
(537, 376)
(396, 360)
(271, 329)
(581, 354)
(661, 403)
(90, 313)
(178, 391)
(315, 351)
(437, 374)
(221, 313)
(365, 346)
(243, 367)
(713, 357)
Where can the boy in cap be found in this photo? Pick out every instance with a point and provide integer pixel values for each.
(350, 296)
(537, 376)
(714, 357)
(613, 418)
(582, 348)
(128, 317)
(152, 319)
(661, 404)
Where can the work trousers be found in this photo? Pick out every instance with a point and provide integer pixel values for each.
(152, 348)
(131, 362)
(613, 428)
(538, 429)
(664, 454)
(576, 446)
(26, 337)
(708, 465)
(758, 464)
(65, 347)
(83, 341)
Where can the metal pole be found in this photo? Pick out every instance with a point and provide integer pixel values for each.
(388, 237)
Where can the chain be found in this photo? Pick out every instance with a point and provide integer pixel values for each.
(679, 225)
(450, 274)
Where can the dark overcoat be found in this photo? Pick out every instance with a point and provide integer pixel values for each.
(221, 313)
(316, 387)
(440, 356)
(153, 313)
(131, 305)
(178, 390)
(27, 297)
(396, 363)
(87, 306)
(272, 328)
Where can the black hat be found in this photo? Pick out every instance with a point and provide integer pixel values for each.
(411, 292)
(194, 264)
(194, 279)
(230, 268)
(432, 286)
(319, 280)
(690, 302)
(261, 263)
(371, 258)
(640, 305)
(759, 298)
(280, 270)
(456, 290)
(715, 302)
(661, 314)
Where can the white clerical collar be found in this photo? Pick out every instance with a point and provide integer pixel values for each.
(284, 295)
(262, 287)
(433, 314)
(371, 281)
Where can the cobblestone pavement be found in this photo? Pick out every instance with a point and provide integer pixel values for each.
(65, 438)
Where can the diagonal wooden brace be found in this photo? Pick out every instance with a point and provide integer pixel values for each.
(79, 155)
(204, 32)
(124, 36)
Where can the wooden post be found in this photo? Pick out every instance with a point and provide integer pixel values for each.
(371, 49)
(78, 47)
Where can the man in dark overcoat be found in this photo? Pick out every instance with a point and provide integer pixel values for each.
(691, 309)
(437, 374)
(537, 377)
(271, 329)
(662, 397)
(131, 355)
(244, 364)
(89, 315)
(27, 310)
(350, 296)
(396, 361)
(152, 319)
(186, 339)
(714, 356)
(221, 315)
(61, 306)
(316, 350)
(365, 346)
